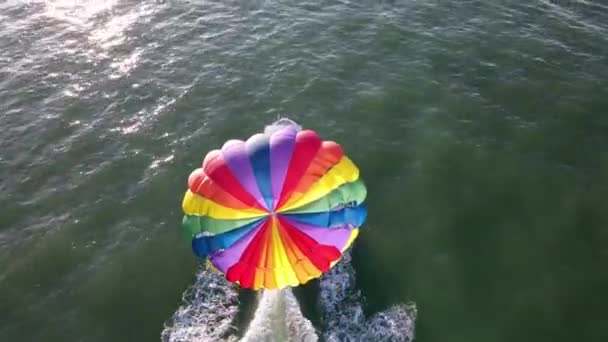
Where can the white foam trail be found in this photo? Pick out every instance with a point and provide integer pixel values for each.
(210, 308)
(278, 319)
(211, 305)
(342, 311)
(208, 311)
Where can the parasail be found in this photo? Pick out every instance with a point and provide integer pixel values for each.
(276, 210)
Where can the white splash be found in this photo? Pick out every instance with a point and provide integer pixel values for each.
(278, 319)
(279, 124)
(158, 162)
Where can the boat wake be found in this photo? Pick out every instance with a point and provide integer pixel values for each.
(207, 313)
(343, 316)
(211, 305)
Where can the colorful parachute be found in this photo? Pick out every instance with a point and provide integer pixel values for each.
(276, 210)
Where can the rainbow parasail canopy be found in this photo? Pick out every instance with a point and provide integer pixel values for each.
(276, 210)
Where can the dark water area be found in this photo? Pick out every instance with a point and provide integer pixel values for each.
(480, 128)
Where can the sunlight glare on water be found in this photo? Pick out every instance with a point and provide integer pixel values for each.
(75, 12)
